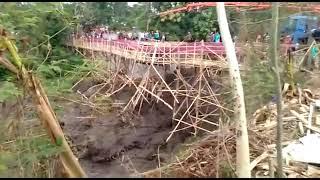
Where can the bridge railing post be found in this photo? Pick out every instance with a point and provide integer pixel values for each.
(194, 53)
(104, 44)
(88, 43)
(202, 50)
(98, 43)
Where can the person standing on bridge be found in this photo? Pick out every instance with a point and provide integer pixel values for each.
(211, 37)
(314, 57)
(130, 35)
(141, 36)
(188, 37)
(217, 37)
(157, 36)
(163, 38)
(152, 36)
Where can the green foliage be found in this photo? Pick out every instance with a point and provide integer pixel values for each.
(33, 21)
(4, 74)
(39, 30)
(200, 24)
(9, 91)
(29, 153)
(204, 23)
(258, 82)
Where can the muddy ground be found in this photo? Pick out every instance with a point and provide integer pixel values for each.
(115, 145)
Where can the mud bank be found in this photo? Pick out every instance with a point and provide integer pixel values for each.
(116, 145)
(123, 145)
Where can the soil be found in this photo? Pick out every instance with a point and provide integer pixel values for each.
(117, 145)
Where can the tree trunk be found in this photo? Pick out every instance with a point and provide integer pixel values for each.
(243, 160)
(274, 58)
(149, 14)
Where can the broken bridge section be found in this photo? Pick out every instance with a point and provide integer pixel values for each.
(186, 78)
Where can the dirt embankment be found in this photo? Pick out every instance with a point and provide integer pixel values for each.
(120, 145)
(116, 145)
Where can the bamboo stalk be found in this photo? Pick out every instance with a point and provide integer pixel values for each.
(46, 114)
(8, 65)
(243, 160)
(274, 58)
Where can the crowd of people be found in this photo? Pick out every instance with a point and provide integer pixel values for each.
(213, 37)
(264, 38)
(106, 34)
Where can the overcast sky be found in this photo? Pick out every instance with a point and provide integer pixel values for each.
(132, 3)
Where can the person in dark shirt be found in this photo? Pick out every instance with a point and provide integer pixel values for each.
(188, 37)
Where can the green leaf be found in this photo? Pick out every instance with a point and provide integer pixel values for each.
(56, 68)
(8, 91)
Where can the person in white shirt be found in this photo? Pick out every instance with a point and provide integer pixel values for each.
(141, 36)
(129, 35)
(146, 36)
(163, 38)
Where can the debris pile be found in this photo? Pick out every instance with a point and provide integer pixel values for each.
(300, 127)
(215, 155)
(203, 158)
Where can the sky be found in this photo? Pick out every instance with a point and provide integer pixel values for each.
(132, 3)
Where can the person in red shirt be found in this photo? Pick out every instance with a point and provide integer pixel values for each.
(288, 42)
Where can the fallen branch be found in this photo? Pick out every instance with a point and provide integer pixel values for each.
(254, 163)
(274, 145)
(305, 121)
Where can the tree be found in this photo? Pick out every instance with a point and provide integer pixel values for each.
(199, 24)
(243, 160)
(274, 57)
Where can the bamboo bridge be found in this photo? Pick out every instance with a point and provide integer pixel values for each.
(195, 54)
(187, 78)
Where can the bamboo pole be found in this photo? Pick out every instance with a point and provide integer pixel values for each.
(243, 160)
(45, 112)
(274, 58)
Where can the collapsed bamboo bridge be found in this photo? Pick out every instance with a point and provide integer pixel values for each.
(193, 90)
